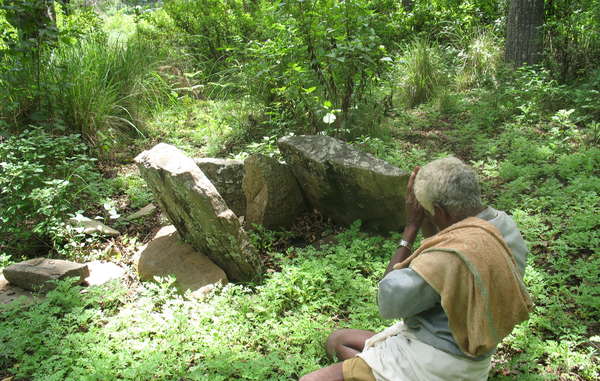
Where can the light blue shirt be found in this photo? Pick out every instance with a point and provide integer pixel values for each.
(405, 294)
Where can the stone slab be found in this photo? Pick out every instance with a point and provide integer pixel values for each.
(35, 274)
(167, 254)
(346, 184)
(226, 175)
(198, 211)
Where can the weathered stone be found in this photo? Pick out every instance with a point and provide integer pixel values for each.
(35, 273)
(226, 175)
(146, 211)
(88, 226)
(103, 272)
(198, 211)
(273, 197)
(167, 254)
(346, 184)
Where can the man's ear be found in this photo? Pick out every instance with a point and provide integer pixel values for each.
(441, 218)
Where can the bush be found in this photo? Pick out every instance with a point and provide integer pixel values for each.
(43, 178)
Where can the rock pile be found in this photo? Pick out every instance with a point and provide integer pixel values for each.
(205, 199)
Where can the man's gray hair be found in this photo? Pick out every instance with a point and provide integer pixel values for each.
(451, 184)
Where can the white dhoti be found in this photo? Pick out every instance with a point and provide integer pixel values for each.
(396, 355)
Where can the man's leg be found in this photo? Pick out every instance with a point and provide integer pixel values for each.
(347, 343)
(331, 373)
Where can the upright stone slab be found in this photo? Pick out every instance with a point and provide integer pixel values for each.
(226, 175)
(198, 211)
(345, 183)
(273, 197)
(35, 274)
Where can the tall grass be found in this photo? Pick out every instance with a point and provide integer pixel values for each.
(420, 72)
(103, 87)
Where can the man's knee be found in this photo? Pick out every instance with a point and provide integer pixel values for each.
(333, 341)
(308, 377)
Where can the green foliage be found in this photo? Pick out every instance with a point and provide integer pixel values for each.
(273, 331)
(213, 30)
(43, 178)
(95, 87)
(135, 188)
(572, 37)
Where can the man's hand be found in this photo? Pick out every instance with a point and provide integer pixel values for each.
(415, 213)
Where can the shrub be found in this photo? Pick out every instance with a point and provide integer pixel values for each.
(43, 178)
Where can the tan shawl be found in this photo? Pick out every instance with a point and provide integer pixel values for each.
(474, 272)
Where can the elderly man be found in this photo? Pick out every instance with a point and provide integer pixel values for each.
(458, 294)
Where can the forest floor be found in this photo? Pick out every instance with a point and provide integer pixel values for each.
(275, 329)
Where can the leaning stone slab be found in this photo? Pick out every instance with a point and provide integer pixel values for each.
(167, 254)
(226, 175)
(35, 274)
(198, 211)
(345, 183)
(273, 197)
(88, 226)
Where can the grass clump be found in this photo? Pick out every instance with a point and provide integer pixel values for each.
(105, 86)
(421, 72)
(480, 61)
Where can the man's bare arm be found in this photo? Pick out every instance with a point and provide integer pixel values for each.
(415, 214)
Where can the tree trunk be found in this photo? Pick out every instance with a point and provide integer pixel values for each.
(524, 32)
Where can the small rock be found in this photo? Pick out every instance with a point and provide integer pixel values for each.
(35, 273)
(89, 226)
(144, 212)
(103, 272)
(166, 255)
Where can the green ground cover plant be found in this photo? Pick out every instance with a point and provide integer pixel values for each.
(43, 178)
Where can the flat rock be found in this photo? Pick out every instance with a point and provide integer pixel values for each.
(103, 272)
(346, 184)
(198, 211)
(226, 175)
(34, 274)
(273, 197)
(146, 211)
(167, 254)
(88, 226)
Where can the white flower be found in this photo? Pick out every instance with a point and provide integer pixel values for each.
(329, 118)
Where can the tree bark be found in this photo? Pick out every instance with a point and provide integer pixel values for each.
(524, 32)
